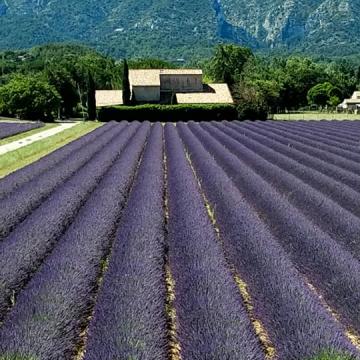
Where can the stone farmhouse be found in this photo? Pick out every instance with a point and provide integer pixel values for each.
(352, 104)
(165, 86)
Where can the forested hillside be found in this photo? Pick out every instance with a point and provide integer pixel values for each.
(183, 29)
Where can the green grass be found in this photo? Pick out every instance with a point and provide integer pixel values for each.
(17, 159)
(331, 355)
(26, 134)
(316, 116)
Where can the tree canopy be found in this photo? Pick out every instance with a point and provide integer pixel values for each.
(324, 94)
(29, 97)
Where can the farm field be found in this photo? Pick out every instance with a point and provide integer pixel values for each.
(211, 240)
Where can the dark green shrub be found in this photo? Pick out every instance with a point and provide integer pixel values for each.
(168, 113)
(252, 111)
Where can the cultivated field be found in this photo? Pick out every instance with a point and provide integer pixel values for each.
(219, 241)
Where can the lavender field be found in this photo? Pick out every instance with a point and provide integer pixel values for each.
(11, 129)
(210, 240)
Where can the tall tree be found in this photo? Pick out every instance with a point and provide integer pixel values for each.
(126, 84)
(228, 62)
(29, 97)
(91, 100)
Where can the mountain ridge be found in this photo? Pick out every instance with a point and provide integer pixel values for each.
(183, 29)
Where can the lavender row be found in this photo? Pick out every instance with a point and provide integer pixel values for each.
(349, 127)
(335, 190)
(338, 146)
(210, 315)
(332, 269)
(342, 123)
(280, 144)
(338, 131)
(25, 199)
(340, 224)
(348, 161)
(129, 319)
(312, 133)
(47, 163)
(347, 157)
(297, 324)
(11, 129)
(338, 134)
(23, 251)
(333, 219)
(51, 312)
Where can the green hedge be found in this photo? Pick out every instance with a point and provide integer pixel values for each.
(168, 113)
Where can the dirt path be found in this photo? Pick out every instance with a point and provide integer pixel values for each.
(15, 145)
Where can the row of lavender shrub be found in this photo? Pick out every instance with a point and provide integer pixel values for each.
(281, 299)
(63, 290)
(210, 314)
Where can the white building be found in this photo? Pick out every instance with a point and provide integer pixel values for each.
(352, 104)
(161, 85)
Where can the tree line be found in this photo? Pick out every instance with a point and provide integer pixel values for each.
(54, 81)
(59, 81)
(262, 85)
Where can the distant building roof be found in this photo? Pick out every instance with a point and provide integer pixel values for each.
(214, 94)
(108, 97)
(352, 101)
(151, 77)
(356, 95)
(148, 77)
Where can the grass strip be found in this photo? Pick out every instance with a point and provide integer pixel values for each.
(17, 159)
(25, 134)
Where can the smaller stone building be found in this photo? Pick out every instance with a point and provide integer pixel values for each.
(183, 86)
(352, 104)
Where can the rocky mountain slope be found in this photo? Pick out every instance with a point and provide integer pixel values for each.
(183, 28)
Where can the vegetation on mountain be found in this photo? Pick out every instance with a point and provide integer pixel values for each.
(184, 29)
(150, 63)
